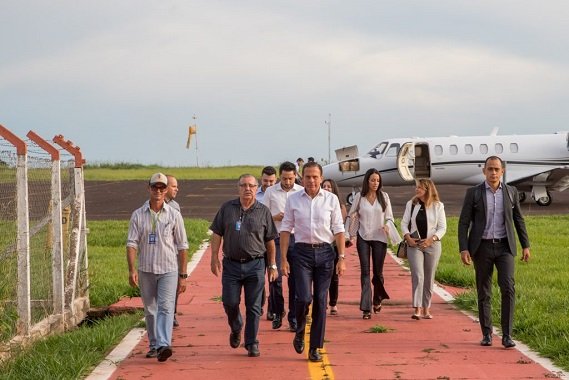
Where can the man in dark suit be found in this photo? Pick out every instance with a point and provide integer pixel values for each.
(486, 237)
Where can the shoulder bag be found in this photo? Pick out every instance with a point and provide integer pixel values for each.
(353, 221)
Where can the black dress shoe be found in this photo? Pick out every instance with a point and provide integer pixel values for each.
(235, 339)
(277, 322)
(152, 353)
(253, 350)
(507, 341)
(298, 343)
(486, 340)
(164, 353)
(292, 326)
(314, 355)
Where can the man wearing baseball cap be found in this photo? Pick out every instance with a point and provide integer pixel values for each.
(157, 236)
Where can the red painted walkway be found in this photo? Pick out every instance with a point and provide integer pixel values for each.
(445, 347)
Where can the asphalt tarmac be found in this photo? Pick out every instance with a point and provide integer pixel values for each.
(107, 200)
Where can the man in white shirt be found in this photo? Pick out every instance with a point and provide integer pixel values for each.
(316, 219)
(275, 199)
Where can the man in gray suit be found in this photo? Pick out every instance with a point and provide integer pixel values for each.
(486, 237)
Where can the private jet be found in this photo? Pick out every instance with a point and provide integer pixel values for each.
(536, 164)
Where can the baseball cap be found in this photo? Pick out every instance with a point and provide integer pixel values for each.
(158, 178)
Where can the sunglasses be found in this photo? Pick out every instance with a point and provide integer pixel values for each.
(158, 188)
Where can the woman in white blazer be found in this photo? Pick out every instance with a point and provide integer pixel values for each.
(423, 226)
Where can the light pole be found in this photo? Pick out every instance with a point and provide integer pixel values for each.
(329, 123)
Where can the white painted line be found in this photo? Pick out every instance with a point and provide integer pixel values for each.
(106, 368)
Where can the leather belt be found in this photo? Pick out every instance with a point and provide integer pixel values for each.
(311, 245)
(495, 241)
(246, 260)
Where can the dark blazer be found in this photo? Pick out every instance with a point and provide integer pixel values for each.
(472, 219)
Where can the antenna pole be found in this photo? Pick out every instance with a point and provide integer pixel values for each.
(329, 123)
(197, 155)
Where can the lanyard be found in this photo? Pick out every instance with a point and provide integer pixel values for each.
(155, 218)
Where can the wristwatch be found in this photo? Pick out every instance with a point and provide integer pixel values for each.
(342, 256)
(435, 238)
(183, 275)
(273, 266)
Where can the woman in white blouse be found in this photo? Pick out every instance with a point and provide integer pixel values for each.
(425, 218)
(374, 209)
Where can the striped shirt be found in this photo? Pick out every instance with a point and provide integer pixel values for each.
(168, 225)
(314, 220)
(244, 232)
(495, 217)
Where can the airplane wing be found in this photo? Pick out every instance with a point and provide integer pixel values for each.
(554, 178)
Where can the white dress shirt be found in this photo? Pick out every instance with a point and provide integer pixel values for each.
(275, 199)
(372, 217)
(314, 220)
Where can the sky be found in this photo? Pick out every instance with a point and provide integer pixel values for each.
(268, 80)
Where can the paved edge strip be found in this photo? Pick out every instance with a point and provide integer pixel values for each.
(106, 368)
(521, 347)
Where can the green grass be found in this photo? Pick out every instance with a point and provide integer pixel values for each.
(379, 329)
(71, 355)
(74, 354)
(122, 172)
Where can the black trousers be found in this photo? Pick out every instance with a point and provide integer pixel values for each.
(313, 268)
(499, 255)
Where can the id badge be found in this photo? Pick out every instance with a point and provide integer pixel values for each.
(238, 225)
(152, 238)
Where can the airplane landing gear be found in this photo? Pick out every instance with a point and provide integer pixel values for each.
(541, 196)
(544, 201)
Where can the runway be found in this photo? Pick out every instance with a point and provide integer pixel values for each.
(117, 200)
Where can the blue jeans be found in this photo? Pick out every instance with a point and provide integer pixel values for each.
(158, 293)
(251, 277)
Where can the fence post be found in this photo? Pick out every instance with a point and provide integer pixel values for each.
(23, 231)
(78, 234)
(56, 222)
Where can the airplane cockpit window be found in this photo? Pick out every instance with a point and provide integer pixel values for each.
(439, 150)
(499, 148)
(468, 149)
(393, 150)
(513, 148)
(483, 148)
(453, 149)
(378, 150)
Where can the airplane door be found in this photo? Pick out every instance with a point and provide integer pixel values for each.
(405, 161)
(422, 162)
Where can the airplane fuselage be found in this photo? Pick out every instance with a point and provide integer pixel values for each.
(539, 163)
